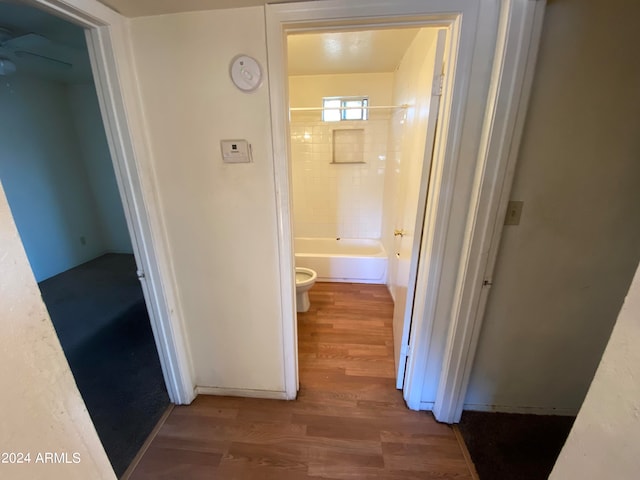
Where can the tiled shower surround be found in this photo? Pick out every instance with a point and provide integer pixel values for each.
(337, 199)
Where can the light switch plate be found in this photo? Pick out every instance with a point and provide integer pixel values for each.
(514, 212)
(235, 151)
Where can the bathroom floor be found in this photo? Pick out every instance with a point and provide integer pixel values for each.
(348, 421)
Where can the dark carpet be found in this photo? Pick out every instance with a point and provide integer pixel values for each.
(101, 319)
(506, 446)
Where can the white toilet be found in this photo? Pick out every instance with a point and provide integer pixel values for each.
(305, 278)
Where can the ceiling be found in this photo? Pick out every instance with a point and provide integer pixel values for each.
(309, 54)
(142, 8)
(369, 51)
(58, 51)
(43, 45)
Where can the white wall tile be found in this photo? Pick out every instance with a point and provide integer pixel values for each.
(337, 200)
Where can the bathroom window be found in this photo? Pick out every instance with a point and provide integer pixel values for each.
(336, 109)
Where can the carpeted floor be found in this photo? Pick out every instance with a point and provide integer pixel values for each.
(101, 319)
(506, 446)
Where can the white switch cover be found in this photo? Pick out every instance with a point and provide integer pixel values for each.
(235, 151)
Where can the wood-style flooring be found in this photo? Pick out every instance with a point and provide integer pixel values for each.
(349, 421)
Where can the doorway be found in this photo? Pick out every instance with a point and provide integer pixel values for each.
(363, 109)
(488, 73)
(58, 176)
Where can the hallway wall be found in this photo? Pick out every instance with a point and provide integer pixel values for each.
(603, 442)
(562, 274)
(220, 218)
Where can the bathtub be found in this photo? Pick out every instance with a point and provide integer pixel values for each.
(343, 260)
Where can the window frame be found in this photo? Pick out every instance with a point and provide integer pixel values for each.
(343, 108)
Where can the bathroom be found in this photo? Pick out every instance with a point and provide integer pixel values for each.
(361, 114)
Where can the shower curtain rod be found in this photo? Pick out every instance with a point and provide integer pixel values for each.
(313, 109)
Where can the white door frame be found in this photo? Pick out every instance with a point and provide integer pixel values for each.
(466, 182)
(114, 76)
(516, 52)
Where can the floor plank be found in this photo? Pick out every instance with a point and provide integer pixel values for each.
(348, 422)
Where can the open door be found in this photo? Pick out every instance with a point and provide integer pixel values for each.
(410, 223)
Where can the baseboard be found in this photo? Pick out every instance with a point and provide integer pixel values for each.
(519, 409)
(426, 406)
(242, 392)
(391, 291)
(377, 281)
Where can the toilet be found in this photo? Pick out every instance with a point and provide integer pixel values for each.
(305, 278)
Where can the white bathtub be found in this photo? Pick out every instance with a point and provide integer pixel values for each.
(343, 260)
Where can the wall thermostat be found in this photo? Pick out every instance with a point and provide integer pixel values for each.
(235, 151)
(246, 73)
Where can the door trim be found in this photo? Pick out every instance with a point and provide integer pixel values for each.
(322, 15)
(451, 221)
(108, 43)
(517, 47)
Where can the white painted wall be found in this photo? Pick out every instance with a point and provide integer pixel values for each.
(332, 200)
(603, 442)
(94, 149)
(220, 218)
(308, 90)
(42, 408)
(44, 175)
(561, 275)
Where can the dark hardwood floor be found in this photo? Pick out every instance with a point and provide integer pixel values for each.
(349, 421)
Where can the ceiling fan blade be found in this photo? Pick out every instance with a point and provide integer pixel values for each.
(43, 58)
(27, 41)
(5, 34)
